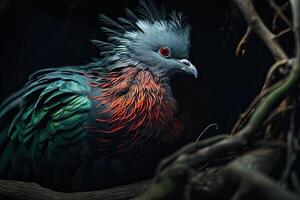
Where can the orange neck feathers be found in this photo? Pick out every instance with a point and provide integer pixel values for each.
(135, 104)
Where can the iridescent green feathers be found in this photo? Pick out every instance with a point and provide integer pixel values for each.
(49, 126)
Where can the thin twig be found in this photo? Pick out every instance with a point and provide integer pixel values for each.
(255, 22)
(281, 33)
(244, 117)
(277, 113)
(241, 48)
(279, 12)
(272, 69)
(213, 124)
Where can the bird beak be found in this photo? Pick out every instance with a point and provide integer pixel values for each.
(188, 67)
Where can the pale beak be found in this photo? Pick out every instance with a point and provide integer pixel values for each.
(188, 67)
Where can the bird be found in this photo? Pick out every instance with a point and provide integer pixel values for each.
(107, 122)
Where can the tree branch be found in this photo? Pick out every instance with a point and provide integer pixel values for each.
(255, 184)
(18, 190)
(256, 24)
(279, 13)
(241, 48)
(295, 5)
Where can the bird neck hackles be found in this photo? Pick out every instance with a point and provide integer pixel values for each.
(136, 103)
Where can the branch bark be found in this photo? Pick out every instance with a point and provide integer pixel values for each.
(18, 190)
(257, 26)
(207, 186)
(255, 185)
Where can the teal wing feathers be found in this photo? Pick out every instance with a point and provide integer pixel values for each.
(47, 131)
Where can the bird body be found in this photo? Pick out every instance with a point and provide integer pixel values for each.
(103, 124)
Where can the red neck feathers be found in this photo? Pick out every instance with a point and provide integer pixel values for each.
(134, 103)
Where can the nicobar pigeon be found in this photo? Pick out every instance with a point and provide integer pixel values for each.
(106, 123)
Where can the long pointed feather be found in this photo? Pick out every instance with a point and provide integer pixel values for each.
(129, 24)
(154, 9)
(14, 97)
(110, 22)
(110, 31)
(103, 45)
(145, 11)
(130, 15)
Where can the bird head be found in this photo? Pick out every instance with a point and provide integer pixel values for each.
(152, 40)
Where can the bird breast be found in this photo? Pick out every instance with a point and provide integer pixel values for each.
(133, 103)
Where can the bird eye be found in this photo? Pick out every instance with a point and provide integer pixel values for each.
(164, 51)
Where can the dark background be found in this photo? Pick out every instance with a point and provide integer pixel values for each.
(36, 34)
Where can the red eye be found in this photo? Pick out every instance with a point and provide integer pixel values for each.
(164, 51)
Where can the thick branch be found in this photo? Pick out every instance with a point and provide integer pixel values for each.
(295, 5)
(257, 26)
(207, 186)
(18, 190)
(255, 185)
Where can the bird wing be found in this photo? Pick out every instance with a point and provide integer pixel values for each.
(47, 129)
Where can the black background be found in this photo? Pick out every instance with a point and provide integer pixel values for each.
(36, 34)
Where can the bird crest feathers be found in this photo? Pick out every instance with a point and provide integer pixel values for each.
(121, 33)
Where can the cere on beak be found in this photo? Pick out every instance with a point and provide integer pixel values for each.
(188, 67)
